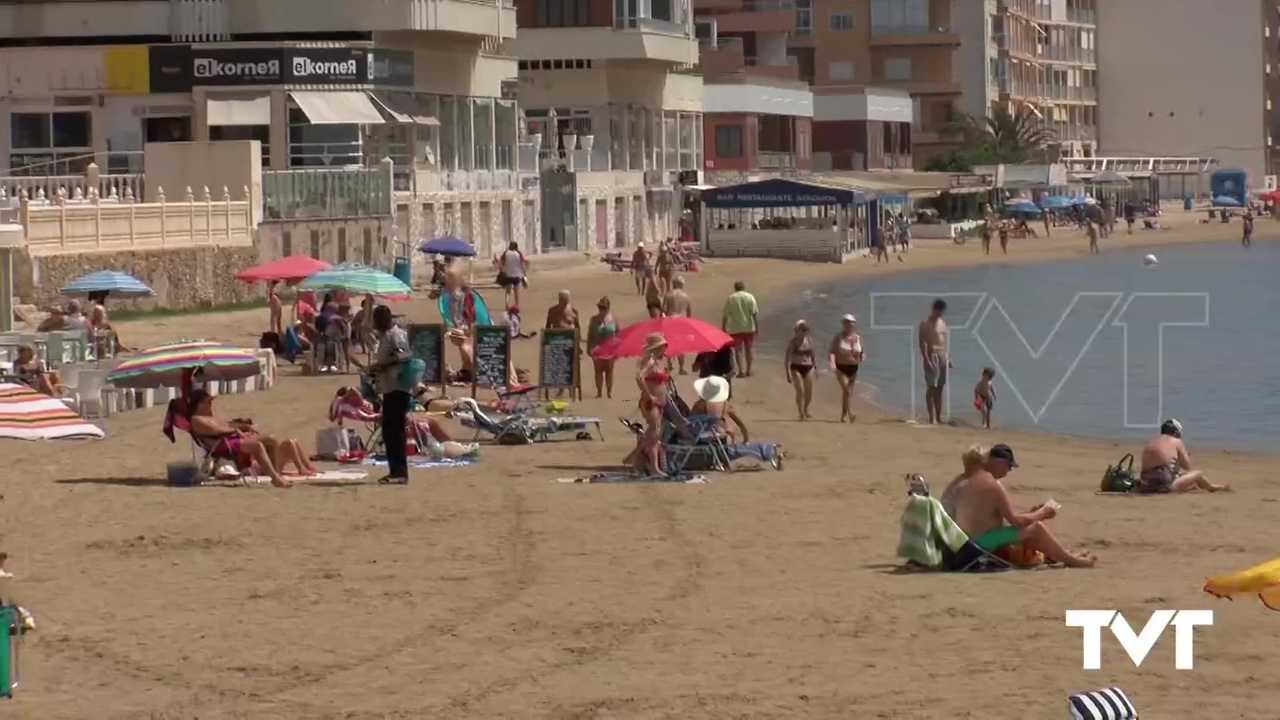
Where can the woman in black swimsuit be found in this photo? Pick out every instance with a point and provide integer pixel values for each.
(800, 368)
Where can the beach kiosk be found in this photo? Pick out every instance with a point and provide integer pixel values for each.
(784, 218)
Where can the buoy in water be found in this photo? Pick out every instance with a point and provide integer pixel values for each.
(1149, 260)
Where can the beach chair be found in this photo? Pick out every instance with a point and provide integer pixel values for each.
(700, 442)
(520, 429)
(211, 465)
(931, 540)
(1105, 704)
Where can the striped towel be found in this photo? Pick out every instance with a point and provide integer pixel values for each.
(1104, 704)
(926, 529)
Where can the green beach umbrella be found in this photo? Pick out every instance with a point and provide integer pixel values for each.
(358, 279)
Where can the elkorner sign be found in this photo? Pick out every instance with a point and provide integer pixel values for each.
(328, 65)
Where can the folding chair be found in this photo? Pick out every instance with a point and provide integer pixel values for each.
(931, 540)
(207, 466)
(687, 435)
(516, 400)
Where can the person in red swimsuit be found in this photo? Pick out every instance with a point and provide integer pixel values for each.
(652, 380)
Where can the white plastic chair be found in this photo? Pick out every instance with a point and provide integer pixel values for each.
(94, 394)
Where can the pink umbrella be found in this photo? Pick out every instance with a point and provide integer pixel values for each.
(289, 269)
(683, 334)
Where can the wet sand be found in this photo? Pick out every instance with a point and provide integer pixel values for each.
(494, 592)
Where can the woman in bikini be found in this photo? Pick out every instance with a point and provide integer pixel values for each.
(652, 296)
(243, 441)
(600, 328)
(845, 356)
(666, 268)
(800, 368)
(652, 380)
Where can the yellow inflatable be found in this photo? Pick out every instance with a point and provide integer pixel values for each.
(1262, 579)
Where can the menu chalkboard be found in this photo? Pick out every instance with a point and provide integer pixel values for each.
(492, 347)
(558, 359)
(426, 343)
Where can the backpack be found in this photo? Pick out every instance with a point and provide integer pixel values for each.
(1119, 478)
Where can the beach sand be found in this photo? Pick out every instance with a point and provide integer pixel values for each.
(493, 591)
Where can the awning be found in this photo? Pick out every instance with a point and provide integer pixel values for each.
(403, 107)
(239, 110)
(351, 107)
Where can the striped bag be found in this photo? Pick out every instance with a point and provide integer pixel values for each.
(1104, 704)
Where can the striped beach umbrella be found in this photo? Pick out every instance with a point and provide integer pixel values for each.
(29, 415)
(109, 281)
(358, 279)
(169, 365)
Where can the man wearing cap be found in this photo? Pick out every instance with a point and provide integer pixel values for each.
(984, 510)
(1166, 466)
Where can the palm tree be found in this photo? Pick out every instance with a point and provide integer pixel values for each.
(1012, 137)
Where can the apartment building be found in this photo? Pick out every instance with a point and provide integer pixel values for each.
(758, 113)
(1207, 86)
(609, 94)
(851, 50)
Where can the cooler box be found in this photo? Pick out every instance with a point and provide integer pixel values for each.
(402, 270)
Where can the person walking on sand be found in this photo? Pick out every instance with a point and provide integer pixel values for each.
(932, 333)
(600, 328)
(984, 396)
(986, 236)
(741, 320)
(512, 269)
(1092, 231)
(275, 308)
(799, 366)
(1246, 239)
(879, 245)
(393, 352)
(640, 267)
(676, 303)
(1004, 237)
(1166, 465)
(845, 355)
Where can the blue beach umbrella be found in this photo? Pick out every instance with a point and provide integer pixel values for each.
(1225, 201)
(356, 278)
(449, 246)
(1024, 206)
(1055, 202)
(108, 281)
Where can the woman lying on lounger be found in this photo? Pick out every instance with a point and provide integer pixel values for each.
(242, 440)
(349, 404)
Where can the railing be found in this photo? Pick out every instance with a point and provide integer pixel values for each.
(106, 185)
(910, 30)
(68, 225)
(669, 27)
(1083, 17)
(1047, 92)
(768, 5)
(328, 192)
(775, 160)
(1066, 55)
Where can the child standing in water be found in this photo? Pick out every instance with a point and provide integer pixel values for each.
(984, 396)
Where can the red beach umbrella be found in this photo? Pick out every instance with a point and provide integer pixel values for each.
(684, 335)
(290, 269)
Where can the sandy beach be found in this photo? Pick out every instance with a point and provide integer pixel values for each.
(492, 591)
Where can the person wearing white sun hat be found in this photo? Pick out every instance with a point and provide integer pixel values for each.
(845, 356)
(713, 402)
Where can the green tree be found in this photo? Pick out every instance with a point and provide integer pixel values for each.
(1011, 137)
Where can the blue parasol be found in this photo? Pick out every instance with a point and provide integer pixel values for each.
(449, 246)
(1226, 201)
(107, 281)
(1055, 202)
(1025, 206)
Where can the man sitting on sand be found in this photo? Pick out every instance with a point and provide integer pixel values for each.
(1166, 466)
(983, 509)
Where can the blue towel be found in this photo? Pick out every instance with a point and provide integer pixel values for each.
(292, 345)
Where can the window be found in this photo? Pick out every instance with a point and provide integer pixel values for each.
(840, 21)
(368, 246)
(840, 70)
(804, 17)
(286, 244)
(322, 145)
(342, 245)
(897, 69)
(315, 244)
(57, 143)
(728, 141)
(561, 13)
(892, 15)
(261, 133)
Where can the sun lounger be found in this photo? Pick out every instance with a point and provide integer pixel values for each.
(521, 429)
(930, 539)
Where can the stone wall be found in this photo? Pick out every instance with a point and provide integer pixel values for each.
(333, 240)
(182, 278)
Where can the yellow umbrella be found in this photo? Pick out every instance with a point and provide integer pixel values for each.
(1262, 579)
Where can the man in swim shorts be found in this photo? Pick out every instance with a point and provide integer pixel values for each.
(1166, 465)
(985, 512)
(932, 333)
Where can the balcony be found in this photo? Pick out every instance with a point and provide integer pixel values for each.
(917, 35)
(490, 18)
(1047, 93)
(630, 39)
(759, 16)
(715, 7)
(789, 70)
(721, 58)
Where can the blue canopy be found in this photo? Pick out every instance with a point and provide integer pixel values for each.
(449, 245)
(776, 193)
(1023, 207)
(112, 281)
(1226, 201)
(1055, 202)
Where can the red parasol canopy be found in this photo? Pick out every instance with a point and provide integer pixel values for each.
(289, 269)
(1270, 196)
(684, 335)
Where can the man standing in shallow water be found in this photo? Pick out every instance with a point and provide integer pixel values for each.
(932, 333)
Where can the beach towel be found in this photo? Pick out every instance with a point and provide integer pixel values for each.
(1105, 704)
(926, 530)
(420, 461)
(629, 477)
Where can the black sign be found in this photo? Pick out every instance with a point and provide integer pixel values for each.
(426, 343)
(326, 66)
(688, 177)
(222, 67)
(170, 68)
(492, 348)
(558, 359)
(390, 68)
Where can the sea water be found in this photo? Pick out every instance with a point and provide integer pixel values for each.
(1100, 346)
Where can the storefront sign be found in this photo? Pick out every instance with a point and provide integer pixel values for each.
(248, 66)
(971, 181)
(390, 68)
(169, 68)
(326, 66)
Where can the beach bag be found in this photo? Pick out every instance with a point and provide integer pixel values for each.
(410, 374)
(1119, 478)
